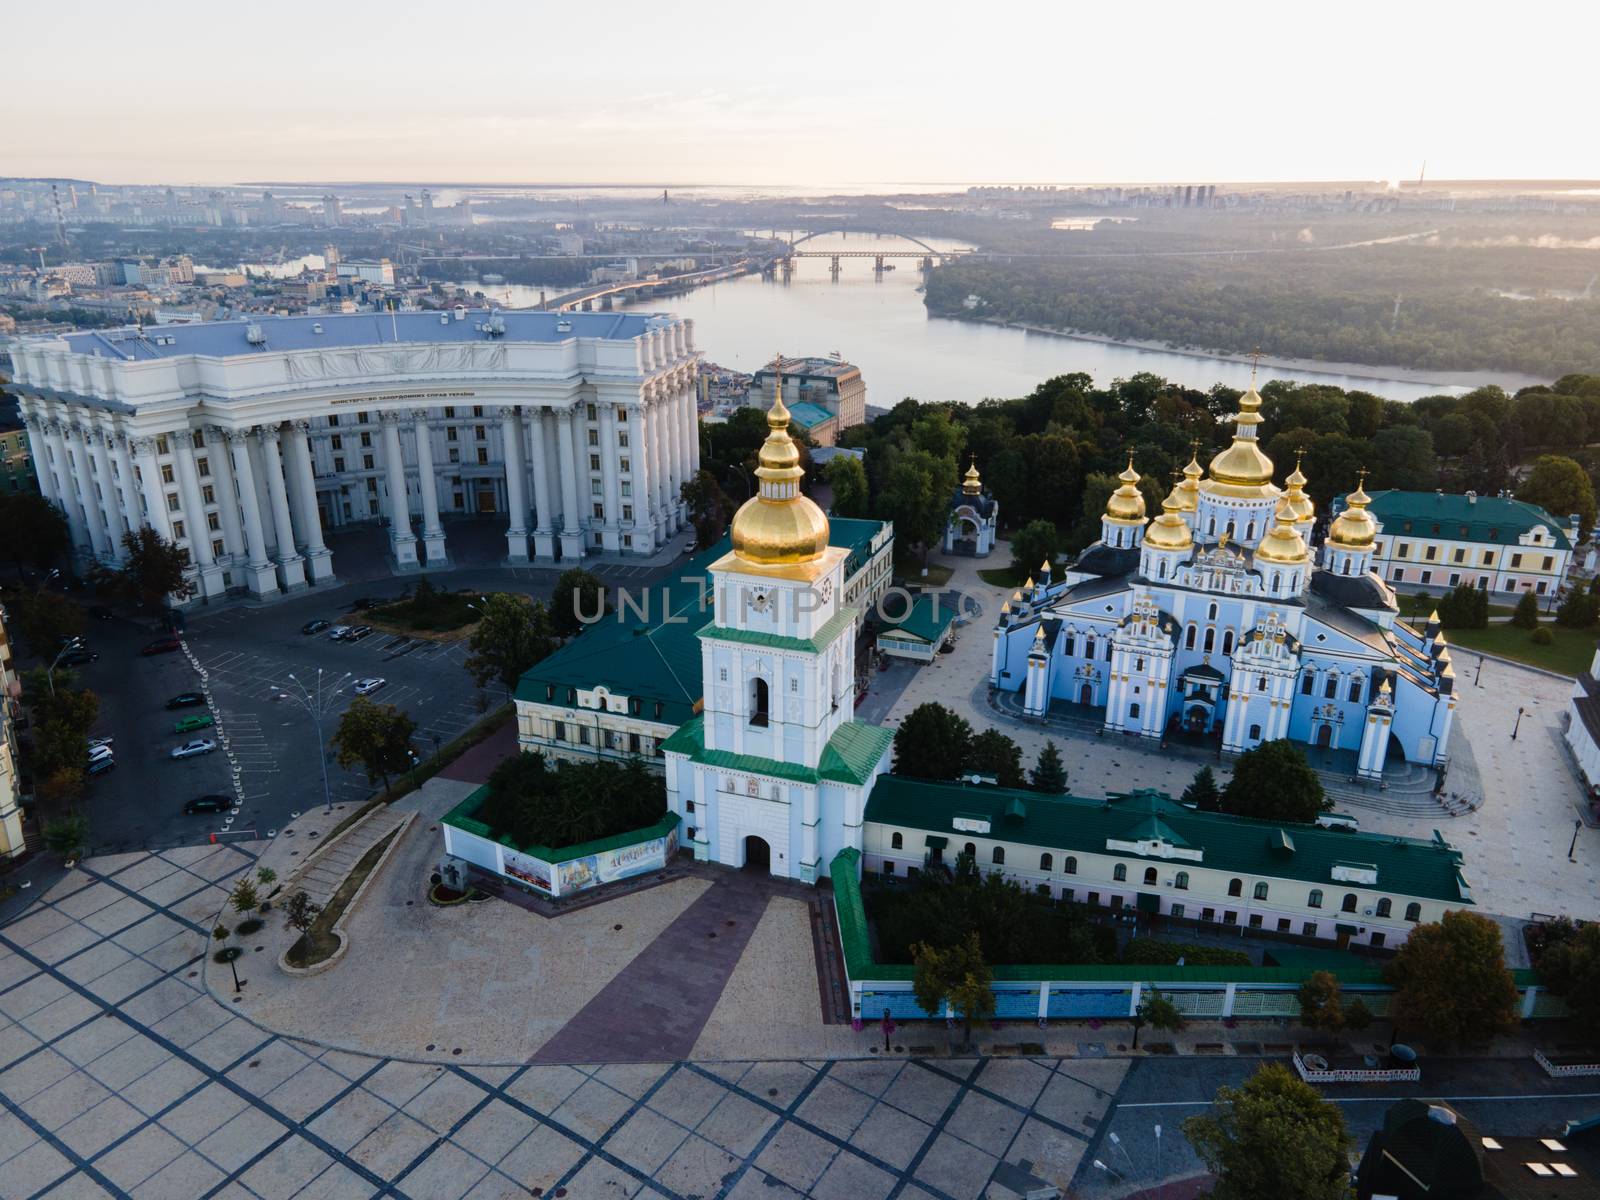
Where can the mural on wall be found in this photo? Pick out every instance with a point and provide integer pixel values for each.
(608, 866)
(532, 871)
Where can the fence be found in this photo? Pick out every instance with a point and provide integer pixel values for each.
(1363, 1075)
(1565, 1070)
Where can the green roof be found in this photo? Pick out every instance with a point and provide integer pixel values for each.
(1406, 866)
(1500, 520)
(464, 817)
(654, 656)
(809, 414)
(928, 620)
(826, 633)
(851, 755)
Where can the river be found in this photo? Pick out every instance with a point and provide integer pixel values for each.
(882, 326)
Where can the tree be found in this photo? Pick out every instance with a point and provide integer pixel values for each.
(1274, 782)
(1320, 1006)
(43, 620)
(993, 753)
(916, 497)
(1526, 614)
(579, 598)
(957, 975)
(932, 743)
(377, 736)
(244, 898)
(300, 914)
(1274, 1137)
(37, 533)
(1035, 543)
(1156, 1011)
(710, 508)
(1464, 607)
(1048, 775)
(1561, 487)
(67, 836)
(847, 479)
(510, 637)
(153, 569)
(61, 788)
(1202, 792)
(1451, 980)
(1570, 968)
(1580, 608)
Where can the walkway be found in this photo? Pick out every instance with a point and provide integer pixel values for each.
(327, 870)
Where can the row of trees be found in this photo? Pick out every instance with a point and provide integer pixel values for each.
(935, 743)
(535, 803)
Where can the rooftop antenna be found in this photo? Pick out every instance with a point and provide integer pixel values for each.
(394, 325)
(1255, 362)
(61, 224)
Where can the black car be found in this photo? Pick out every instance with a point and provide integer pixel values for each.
(79, 655)
(186, 700)
(357, 633)
(215, 803)
(316, 626)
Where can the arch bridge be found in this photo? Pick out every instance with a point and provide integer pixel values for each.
(929, 256)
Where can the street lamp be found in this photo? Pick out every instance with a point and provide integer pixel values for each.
(317, 706)
(54, 571)
(1477, 680)
(1518, 725)
(1100, 1166)
(1573, 849)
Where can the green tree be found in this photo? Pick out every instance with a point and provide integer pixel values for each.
(153, 569)
(1320, 1004)
(916, 497)
(1035, 544)
(957, 974)
(710, 508)
(36, 530)
(1049, 775)
(1275, 1137)
(1274, 782)
(300, 914)
(67, 836)
(1451, 981)
(993, 753)
(510, 637)
(1561, 487)
(579, 597)
(43, 619)
(1156, 1011)
(1579, 608)
(376, 736)
(932, 743)
(1464, 607)
(1526, 614)
(1570, 968)
(847, 480)
(1202, 791)
(244, 897)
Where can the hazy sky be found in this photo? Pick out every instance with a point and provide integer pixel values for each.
(799, 94)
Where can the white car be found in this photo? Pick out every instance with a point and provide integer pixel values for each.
(365, 687)
(338, 633)
(194, 748)
(98, 750)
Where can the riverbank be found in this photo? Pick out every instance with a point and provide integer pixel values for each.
(1446, 381)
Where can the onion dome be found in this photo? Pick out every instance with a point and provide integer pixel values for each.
(1283, 544)
(1354, 528)
(1169, 531)
(1127, 502)
(972, 485)
(1187, 493)
(1301, 507)
(778, 525)
(1243, 465)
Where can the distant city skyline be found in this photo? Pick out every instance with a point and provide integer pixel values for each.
(710, 94)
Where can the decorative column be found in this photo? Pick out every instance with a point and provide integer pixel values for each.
(194, 512)
(610, 538)
(402, 542)
(258, 576)
(319, 561)
(567, 454)
(105, 489)
(82, 478)
(428, 484)
(658, 460)
(644, 494)
(155, 499)
(291, 567)
(233, 540)
(544, 541)
(130, 493)
(1036, 691)
(671, 432)
(516, 485)
(691, 424)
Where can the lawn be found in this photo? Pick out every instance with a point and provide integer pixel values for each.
(1003, 577)
(1417, 606)
(427, 610)
(911, 571)
(1569, 653)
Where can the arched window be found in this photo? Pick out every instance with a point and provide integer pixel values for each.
(1355, 687)
(999, 857)
(1413, 912)
(1330, 690)
(1188, 638)
(1349, 902)
(1071, 647)
(970, 851)
(1275, 581)
(1088, 646)
(1182, 881)
(1384, 907)
(1261, 684)
(1261, 891)
(1046, 862)
(1150, 876)
(897, 842)
(1346, 566)
(1211, 640)
(1133, 712)
(1069, 866)
(1250, 532)
(1120, 874)
(758, 701)
(1308, 683)
(1211, 526)
(1227, 641)
(1235, 887)
(1315, 899)
(1212, 614)
(1161, 569)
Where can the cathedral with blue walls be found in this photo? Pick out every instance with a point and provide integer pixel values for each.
(1213, 621)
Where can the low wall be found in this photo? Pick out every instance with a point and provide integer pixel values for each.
(1362, 1075)
(558, 870)
(1565, 1070)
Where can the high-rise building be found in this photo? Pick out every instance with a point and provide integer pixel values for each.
(330, 210)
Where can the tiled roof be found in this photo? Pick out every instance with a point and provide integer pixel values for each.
(928, 620)
(1406, 866)
(851, 755)
(826, 632)
(1500, 520)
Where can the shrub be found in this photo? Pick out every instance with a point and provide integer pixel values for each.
(1526, 614)
(1541, 636)
(536, 804)
(221, 932)
(1149, 951)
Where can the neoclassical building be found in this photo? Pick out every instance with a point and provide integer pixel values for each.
(1212, 619)
(244, 440)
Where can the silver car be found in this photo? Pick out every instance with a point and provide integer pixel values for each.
(195, 748)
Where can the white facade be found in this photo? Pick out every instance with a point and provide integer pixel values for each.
(242, 441)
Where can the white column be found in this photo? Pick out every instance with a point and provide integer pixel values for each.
(319, 561)
(82, 482)
(644, 490)
(673, 429)
(233, 540)
(105, 492)
(567, 455)
(131, 513)
(194, 518)
(691, 422)
(258, 574)
(402, 543)
(155, 498)
(658, 460)
(428, 485)
(544, 542)
(610, 537)
(516, 485)
(65, 494)
(291, 567)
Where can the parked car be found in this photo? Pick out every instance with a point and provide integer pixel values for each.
(212, 803)
(162, 646)
(107, 742)
(99, 765)
(101, 613)
(190, 724)
(316, 626)
(194, 749)
(186, 700)
(357, 632)
(338, 633)
(365, 687)
(95, 753)
(79, 655)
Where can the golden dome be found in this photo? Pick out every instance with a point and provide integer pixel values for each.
(1355, 527)
(1169, 531)
(778, 524)
(1127, 502)
(971, 484)
(1243, 465)
(1283, 544)
(1301, 507)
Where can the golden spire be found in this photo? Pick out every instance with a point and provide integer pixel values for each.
(1301, 507)
(1355, 527)
(972, 485)
(1044, 567)
(1126, 504)
(1169, 531)
(1283, 543)
(778, 524)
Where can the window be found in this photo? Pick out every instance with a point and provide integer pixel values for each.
(1377, 939)
(1433, 553)
(1255, 733)
(1308, 683)
(1331, 689)
(1120, 874)
(970, 851)
(452, 434)
(172, 502)
(1255, 920)
(1211, 640)
(897, 842)
(1235, 887)
(1350, 902)
(1070, 648)
(1283, 924)
(1150, 877)
(1516, 561)
(1046, 862)
(1315, 899)
(366, 461)
(1261, 891)
(1177, 912)
(1460, 555)
(366, 440)
(1355, 688)
(1227, 641)
(338, 465)
(1403, 551)
(1211, 614)
(483, 456)
(1427, 577)
(1133, 712)
(177, 529)
(1182, 881)
(1208, 914)
(1188, 638)
(1069, 866)
(1398, 576)
(166, 474)
(1093, 900)
(1413, 912)
(1488, 558)
(1384, 907)
(594, 487)
(203, 466)
(1309, 929)
(161, 444)
(212, 523)
(758, 702)
(999, 856)
(594, 462)
(594, 437)
(208, 494)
